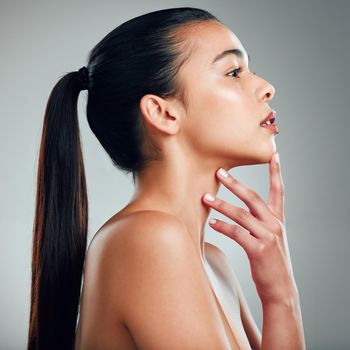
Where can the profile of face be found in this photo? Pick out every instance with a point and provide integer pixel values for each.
(225, 105)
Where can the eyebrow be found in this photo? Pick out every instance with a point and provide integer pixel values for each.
(236, 52)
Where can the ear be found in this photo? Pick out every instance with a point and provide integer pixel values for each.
(160, 114)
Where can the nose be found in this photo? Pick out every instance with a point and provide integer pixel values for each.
(267, 91)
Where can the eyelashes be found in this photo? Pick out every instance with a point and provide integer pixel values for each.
(236, 71)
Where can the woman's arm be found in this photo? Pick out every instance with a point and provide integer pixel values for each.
(262, 234)
(282, 321)
(282, 324)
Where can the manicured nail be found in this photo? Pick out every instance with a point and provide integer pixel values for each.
(276, 158)
(212, 221)
(209, 197)
(222, 172)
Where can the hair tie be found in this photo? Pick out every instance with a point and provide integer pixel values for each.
(83, 77)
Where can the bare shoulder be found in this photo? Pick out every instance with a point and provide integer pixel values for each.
(130, 229)
(155, 272)
(129, 239)
(146, 232)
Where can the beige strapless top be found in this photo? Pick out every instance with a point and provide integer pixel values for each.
(229, 310)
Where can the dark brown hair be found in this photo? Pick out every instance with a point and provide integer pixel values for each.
(140, 56)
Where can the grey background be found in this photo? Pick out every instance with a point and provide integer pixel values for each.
(301, 47)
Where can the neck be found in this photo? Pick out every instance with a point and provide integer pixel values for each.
(176, 185)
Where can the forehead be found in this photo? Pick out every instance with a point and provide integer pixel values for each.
(210, 39)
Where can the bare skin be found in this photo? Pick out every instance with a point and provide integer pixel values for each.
(221, 128)
(98, 329)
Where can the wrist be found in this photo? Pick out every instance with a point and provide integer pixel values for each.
(287, 299)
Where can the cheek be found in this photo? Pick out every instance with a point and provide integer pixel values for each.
(221, 121)
(222, 113)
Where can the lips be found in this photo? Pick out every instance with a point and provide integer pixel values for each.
(270, 119)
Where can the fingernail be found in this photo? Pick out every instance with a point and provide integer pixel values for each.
(222, 172)
(209, 197)
(212, 221)
(276, 158)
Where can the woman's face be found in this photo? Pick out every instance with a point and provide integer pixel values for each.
(225, 108)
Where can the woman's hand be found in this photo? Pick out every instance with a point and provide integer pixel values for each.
(262, 234)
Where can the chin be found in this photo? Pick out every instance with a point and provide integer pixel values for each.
(264, 155)
(250, 160)
(263, 159)
(259, 157)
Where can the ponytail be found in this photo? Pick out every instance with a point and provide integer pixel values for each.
(60, 223)
(116, 78)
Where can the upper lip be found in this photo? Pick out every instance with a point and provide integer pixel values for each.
(271, 116)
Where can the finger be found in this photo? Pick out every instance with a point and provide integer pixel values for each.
(241, 216)
(276, 195)
(237, 233)
(252, 199)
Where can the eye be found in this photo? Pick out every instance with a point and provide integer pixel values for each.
(236, 71)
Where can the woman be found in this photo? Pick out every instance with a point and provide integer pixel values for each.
(171, 99)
